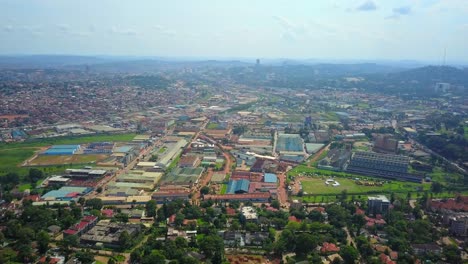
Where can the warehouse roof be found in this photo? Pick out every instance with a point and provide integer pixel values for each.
(270, 177)
(238, 186)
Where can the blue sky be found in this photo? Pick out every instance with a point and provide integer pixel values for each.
(323, 29)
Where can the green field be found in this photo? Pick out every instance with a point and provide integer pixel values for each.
(316, 185)
(12, 155)
(10, 159)
(212, 126)
(68, 140)
(223, 189)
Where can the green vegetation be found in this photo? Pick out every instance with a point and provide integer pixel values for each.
(162, 150)
(330, 116)
(212, 126)
(13, 154)
(223, 189)
(319, 158)
(11, 159)
(315, 185)
(68, 140)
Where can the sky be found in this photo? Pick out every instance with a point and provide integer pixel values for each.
(420, 30)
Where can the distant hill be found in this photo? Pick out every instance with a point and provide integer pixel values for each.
(46, 61)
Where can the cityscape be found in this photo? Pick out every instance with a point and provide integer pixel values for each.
(182, 158)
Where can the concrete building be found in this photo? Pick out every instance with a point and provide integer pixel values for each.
(378, 204)
(106, 234)
(249, 213)
(459, 224)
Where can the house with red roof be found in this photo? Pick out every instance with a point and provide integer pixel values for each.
(230, 211)
(386, 259)
(329, 248)
(292, 218)
(109, 213)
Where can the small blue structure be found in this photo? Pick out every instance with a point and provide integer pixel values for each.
(238, 186)
(270, 178)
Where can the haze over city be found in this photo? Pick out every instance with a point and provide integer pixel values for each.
(420, 30)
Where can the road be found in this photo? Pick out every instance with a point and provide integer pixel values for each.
(317, 155)
(423, 147)
(282, 195)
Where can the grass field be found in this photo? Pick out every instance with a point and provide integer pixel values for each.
(13, 154)
(10, 159)
(212, 126)
(303, 169)
(68, 140)
(44, 160)
(223, 189)
(316, 185)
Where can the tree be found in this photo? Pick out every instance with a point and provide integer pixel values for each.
(349, 254)
(150, 208)
(35, 174)
(275, 204)
(436, 187)
(155, 257)
(179, 219)
(43, 240)
(25, 253)
(210, 245)
(125, 240)
(305, 244)
(205, 190)
(153, 158)
(85, 257)
(452, 253)
(94, 203)
(70, 241)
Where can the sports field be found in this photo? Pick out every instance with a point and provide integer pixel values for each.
(317, 185)
(44, 160)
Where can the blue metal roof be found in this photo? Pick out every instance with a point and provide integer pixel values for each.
(65, 147)
(270, 178)
(238, 186)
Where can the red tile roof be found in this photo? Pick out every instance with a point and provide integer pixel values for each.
(107, 212)
(292, 218)
(386, 259)
(230, 211)
(329, 248)
(89, 218)
(70, 232)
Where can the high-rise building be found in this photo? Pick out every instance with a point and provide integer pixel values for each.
(385, 143)
(377, 204)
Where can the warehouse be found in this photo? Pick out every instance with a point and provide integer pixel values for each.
(387, 166)
(133, 185)
(62, 150)
(84, 173)
(239, 186)
(66, 193)
(270, 178)
(183, 176)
